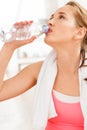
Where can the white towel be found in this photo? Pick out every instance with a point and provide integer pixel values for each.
(43, 107)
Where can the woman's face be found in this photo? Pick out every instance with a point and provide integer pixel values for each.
(62, 27)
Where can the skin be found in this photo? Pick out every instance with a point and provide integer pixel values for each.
(65, 37)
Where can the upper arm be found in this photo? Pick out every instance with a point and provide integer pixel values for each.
(21, 82)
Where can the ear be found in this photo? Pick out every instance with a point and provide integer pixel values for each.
(80, 33)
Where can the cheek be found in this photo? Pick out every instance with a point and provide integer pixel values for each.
(60, 34)
(65, 32)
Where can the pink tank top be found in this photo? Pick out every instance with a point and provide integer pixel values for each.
(69, 113)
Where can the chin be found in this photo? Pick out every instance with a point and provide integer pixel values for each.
(48, 41)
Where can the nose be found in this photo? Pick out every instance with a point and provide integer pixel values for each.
(51, 22)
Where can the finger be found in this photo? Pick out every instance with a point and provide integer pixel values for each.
(27, 40)
(31, 39)
(30, 22)
(23, 23)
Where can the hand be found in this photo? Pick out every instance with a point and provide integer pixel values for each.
(18, 43)
(21, 24)
(20, 30)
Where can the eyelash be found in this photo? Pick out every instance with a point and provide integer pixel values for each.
(50, 18)
(61, 17)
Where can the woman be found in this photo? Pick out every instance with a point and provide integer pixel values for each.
(68, 37)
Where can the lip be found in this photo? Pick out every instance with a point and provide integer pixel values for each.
(49, 31)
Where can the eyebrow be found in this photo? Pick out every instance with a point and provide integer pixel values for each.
(58, 13)
(62, 13)
(52, 15)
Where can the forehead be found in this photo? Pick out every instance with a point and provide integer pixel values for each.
(67, 10)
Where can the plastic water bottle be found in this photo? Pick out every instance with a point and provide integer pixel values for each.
(2, 35)
(23, 33)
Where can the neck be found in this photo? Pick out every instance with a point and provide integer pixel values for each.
(68, 61)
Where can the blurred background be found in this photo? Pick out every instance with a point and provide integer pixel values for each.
(14, 113)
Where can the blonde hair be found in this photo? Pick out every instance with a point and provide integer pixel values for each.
(80, 14)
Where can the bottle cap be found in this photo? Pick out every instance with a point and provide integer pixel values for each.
(45, 28)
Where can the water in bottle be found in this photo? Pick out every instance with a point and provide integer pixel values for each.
(25, 32)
